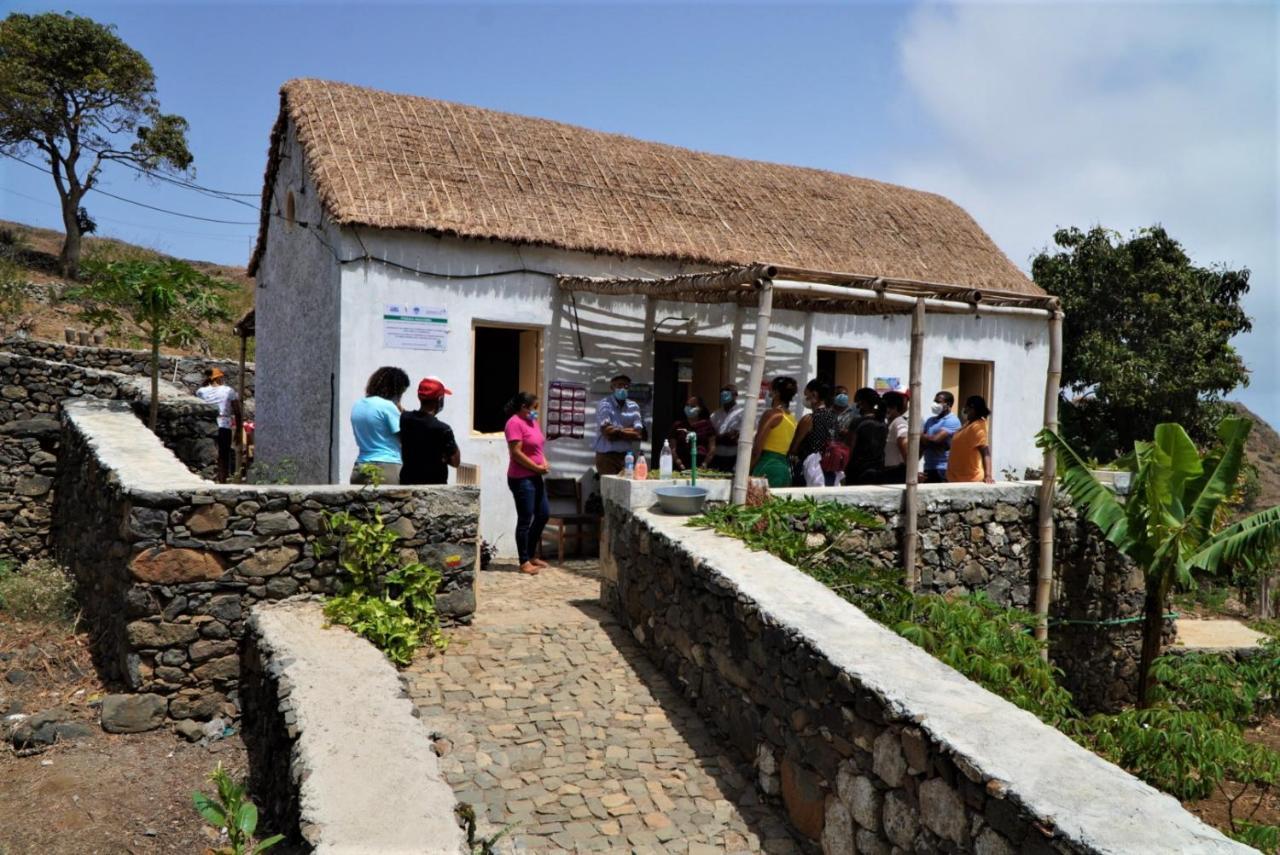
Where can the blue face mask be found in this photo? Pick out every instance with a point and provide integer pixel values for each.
(620, 394)
(691, 413)
(842, 400)
(726, 397)
(533, 415)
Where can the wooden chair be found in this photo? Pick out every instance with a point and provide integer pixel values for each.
(567, 521)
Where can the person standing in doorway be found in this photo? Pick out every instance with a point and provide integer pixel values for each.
(936, 438)
(970, 448)
(375, 420)
(216, 391)
(727, 421)
(695, 430)
(526, 467)
(866, 440)
(847, 415)
(427, 444)
(619, 427)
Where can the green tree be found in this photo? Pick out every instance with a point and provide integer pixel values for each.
(72, 89)
(1148, 336)
(1167, 525)
(170, 300)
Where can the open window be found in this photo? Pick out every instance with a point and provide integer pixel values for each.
(843, 367)
(506, 360)
(963, 378)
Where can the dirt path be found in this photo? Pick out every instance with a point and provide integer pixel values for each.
(561, 726)
(1217, 634)
(99, 793)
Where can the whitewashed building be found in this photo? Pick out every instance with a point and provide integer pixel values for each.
(400, 230)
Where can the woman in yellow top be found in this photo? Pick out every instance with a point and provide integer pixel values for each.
(773, 437)
(970, 458)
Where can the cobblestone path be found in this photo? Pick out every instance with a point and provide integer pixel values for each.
(558, 723)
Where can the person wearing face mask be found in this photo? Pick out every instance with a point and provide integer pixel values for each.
(970, 451)
(619, 427)
(695, 428)
(727, 420)
(773, 437)
(935, 440)
(427, 444)
(525, 471)
(814, 431)
(847, 415)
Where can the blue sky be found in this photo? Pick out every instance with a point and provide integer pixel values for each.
(1031, 116)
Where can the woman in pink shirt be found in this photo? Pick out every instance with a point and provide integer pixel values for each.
(524, 477)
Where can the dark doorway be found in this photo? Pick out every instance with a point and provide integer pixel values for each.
(681, 369)
(506, 361)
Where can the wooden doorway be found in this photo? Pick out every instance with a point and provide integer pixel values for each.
(845, 367)
(684, 367)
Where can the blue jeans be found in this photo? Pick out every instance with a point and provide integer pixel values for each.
(532, 511)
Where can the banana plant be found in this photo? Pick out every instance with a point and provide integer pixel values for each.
(1166, 525)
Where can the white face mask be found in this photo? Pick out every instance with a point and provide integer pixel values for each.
(937, 409)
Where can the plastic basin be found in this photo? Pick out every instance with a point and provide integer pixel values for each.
(683, 500)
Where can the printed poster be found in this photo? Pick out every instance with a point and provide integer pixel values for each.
(566, 409)
(888, 384)
(407, 327)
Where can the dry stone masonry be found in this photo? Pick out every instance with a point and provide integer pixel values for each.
(167, 565)
(31, 391)
(871, 744)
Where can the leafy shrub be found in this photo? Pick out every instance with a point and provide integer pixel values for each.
(1184, 753)
(387, 601)
(229, 810)
(988, 643)
(40, 590)
(1215, 684)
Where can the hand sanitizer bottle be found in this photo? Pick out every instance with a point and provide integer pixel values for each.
(630, 466)
(665, 464)
(642, 468)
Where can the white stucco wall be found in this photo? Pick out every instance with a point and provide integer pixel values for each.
(298, 328)
(614, 339)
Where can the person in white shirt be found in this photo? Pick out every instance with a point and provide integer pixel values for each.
(895, 441)
(727, 420)
(216, 391)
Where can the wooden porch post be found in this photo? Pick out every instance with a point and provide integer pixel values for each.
(242, 452)
(747, 436)
(1044, 572)
(911, 523)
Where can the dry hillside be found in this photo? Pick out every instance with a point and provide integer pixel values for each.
(1263, 448)
(35, 251)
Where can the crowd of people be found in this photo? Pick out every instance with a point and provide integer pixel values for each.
(839, 440)
(863, 440)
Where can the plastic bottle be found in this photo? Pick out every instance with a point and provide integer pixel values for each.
(630, 466)
(665, 464)
(642, 469)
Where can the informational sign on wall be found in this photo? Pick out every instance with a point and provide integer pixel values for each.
(566, 409)
(888, 384)
(406, 327)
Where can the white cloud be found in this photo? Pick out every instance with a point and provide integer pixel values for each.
(1053, 114)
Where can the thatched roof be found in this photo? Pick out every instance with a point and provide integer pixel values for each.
(405, 162)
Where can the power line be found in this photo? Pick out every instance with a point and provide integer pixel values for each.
(144, 204)
(191, 184)
(119, 222)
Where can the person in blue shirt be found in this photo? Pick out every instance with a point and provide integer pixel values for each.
(935, 439)
(619, 427)
(375, 420)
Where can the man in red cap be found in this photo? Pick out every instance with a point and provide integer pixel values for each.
(427, 444)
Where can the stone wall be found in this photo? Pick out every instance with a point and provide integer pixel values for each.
(185, 372)
(984, 537)
(31, 392)
(167, 564)
(871, 744)
(309, 695)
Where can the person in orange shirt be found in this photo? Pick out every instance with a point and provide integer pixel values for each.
(970, 453)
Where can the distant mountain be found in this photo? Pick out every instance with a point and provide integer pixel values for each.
(1263, 449)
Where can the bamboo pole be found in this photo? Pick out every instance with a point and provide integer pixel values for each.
(1044, 572)
(936, 305)
(913, 448)
(747, 436)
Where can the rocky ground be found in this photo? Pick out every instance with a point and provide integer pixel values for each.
(69, 786)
